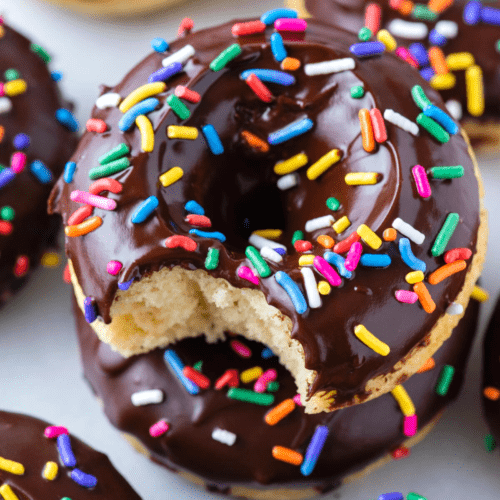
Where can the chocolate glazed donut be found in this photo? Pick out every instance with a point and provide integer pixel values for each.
(239, 193)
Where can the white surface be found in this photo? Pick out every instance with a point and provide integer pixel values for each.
(40, 370)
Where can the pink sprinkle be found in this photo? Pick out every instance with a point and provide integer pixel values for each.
(410, 425)
(286, 24)
(246, 273)
(353, 256)
(406, 296)
(80, 215)
(297, 400)
(422, 181)
(264, 379)
(53, 431)
(92, 199)
(156, 430)
(2, 90)
(405, 54)
(327, 271)
(18, 162)
(114, 267)
(189, 95)
(241, 349)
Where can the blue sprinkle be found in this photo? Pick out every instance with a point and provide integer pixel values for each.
(21, 141)
(472, 12)
(144, 210)
(69, 172)
(290, 131)
(164, 74)
(125, 285)
(89, 309)
(177, 366)
(66, 118)
(56, 76)
(41, 172)
(141, 108)
(6, 175)
(408, 258)
(269, 75)
(314, 449)
(339, 262)
(427, 73)
(367, 49)
(293, 291)
(85, 480)
(208, 234)
(375, 260)
(442, 118)
(65, 450)
(489, 15)
(391, 496)
(270, 16)
(194, 208)
(435, 38)
(280, 250)
(159, 45)
(278, 47)
(267, 353)
(418, 51)
(213, 139)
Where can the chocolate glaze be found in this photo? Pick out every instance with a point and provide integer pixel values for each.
(238, 191)
(33, 114)
(22, 440)
(479, 39)
(358, 435)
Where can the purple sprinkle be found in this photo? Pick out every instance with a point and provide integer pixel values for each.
(6, 175)
(85, 480)
(89, 309)
(427, 73)
(65, 450)
(165, 73)
(125, 285)
(280, 250)
(21, 141)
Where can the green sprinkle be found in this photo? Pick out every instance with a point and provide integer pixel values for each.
(178, 107)
(249, 396)
(332, 203)
(422, 12)
(2, 167)
(489, 442)
(444, 380)
(273, 386)
(438, 132)
(357, 92)
(447, 172)
(11, 74)
(364, 34)
(212, 260)
(415, 496)
(41, 52)
(419, 97)
(115, 153)
(225, 57)
(258, 262)
(109, 168)
(445, 234)
(7, 213)
(297, 235)
(198, 366)
(497, 45)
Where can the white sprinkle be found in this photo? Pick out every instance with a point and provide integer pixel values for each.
(182, 55)
(454, 108)
(448, 29)
(319, 223)
(223, 436)
(149, 397)
(408, 230)
(287, 181)
(270, 254)
(5, 105)
(311, 288)
(109, 100)
(327, 67)
(260, 242)
(454, 309)
(400, 121)
(407, 29)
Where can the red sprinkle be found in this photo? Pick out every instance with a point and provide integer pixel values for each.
(189, 95)
(378, 125)
(373, 14)
(187, 24)
(105, 184)
(249, 28)
(400, 453)
(5, 227)
(199, 220)
(229, 378)
(395, 4)
(195, 376)
(457, 254)
(79, 215)
(22, 266)
(261, 91)
(179, 241)
(302, 246)
(96, 125)
(66, 274)
(344, 245)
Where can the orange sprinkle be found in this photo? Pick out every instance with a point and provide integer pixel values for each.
(2, 32)
(255, 142)
(2, 133)
(85, 227)
(424, 297)
(405, 7)
(290, 64)
(427, 366)
(439, 6)
(280, 412)
(389, 234)
(491, 393)
(326, 241)
(287, 455)
(438, 61)
(447, 270)
(366, 130)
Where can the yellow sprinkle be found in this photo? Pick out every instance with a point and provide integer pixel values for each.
(459, 60)
(2, 32)
(50, 259)
(142, 93)
(50, 471)
(323, 164)
(251, 374)
(387, 39)
(475, 90)
(361, 178)
(171, 176)
(270, 234)
(369, 237)
(479, 294)
(443, 82)
(178, 132)
(306, 260)
(404, 401)
(15, 87)
(12, 467)
(7, 493)
(342, 224)
(147, 133)
(324, 287)
(414, 277)
(371, 341)
(290, 165)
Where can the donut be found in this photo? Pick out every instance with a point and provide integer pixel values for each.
(180, 245)
(227, 444)
(461, 40)
(34, 147)
(40, 461)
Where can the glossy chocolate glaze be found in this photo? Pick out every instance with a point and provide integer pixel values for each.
(479, 39)
(238, 191)
(33, 114)
(358, 435)
(22, 440)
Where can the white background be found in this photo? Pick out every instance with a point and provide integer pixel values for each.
(39, 364)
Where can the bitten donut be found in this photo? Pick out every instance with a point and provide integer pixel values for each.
(34, 147)
(281, 205)
(454, 44)
(39, 461)
(228, 443)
